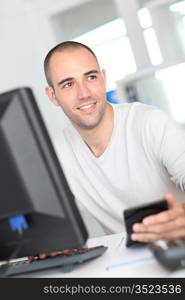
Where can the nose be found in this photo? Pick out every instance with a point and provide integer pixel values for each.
(83, 91)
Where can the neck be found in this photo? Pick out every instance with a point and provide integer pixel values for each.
(97, 139)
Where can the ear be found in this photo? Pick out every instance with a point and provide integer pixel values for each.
(51, 95)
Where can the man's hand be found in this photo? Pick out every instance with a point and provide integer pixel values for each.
(167, 225)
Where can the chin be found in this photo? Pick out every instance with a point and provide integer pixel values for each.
(90, 125)
(90, 122)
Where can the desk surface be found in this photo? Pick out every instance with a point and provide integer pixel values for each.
(97, 267)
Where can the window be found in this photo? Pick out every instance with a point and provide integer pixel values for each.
(178, 7)
(172, 79)
(150, 37)
(112, 47)
(178, 13)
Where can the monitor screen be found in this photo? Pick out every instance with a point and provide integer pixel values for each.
(32, 182)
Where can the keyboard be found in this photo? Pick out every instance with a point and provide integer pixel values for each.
(65, 261)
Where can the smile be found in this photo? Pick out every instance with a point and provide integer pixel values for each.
(87, 107)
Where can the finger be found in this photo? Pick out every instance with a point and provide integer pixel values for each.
(171, 214)
(152, 237)
(160, 227)
(175, 234)
(172, 202)
(145, 237)
(165, 216)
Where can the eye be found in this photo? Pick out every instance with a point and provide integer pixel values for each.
(91, 77)
(67, 85)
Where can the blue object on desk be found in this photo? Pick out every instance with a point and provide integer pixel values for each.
(111, 96)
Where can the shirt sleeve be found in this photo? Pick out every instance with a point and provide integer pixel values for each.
(169, 145)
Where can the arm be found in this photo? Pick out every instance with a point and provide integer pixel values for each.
(169, 149)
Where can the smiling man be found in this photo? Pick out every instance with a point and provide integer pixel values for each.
(115, 156)
(78, 86)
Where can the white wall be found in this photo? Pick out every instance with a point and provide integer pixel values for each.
(26, 36)
(83, 18)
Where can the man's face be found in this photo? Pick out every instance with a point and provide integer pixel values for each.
(78, 87)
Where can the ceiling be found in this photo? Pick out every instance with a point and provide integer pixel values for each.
(9, 5)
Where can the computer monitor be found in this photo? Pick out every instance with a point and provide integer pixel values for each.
(32, 183)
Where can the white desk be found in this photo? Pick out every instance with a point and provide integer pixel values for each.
(97, 267)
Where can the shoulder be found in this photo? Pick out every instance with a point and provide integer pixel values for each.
(153, 124)
(134, 108)
(151, 118)
(140, 114)
(146, 121)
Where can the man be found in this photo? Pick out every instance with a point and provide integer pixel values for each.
(116, 156)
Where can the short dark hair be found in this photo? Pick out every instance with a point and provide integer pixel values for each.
(67, 45)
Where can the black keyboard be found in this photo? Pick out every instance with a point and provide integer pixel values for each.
(65, 261)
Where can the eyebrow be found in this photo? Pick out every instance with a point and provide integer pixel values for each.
(65, 80)
(72, 78)
(90, 72)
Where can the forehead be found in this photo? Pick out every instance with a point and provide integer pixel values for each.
(71, 63)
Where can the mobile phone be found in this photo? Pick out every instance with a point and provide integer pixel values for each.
(137, 213)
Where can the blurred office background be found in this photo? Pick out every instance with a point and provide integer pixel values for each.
(140, 43)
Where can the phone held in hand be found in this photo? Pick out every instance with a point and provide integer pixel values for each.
(137, 213)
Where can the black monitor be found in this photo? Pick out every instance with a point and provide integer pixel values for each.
(32, 182)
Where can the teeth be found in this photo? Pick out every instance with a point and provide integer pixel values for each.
(86, 106)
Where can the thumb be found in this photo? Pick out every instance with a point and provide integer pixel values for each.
(172, 202)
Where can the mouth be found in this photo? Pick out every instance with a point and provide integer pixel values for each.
(87, 107)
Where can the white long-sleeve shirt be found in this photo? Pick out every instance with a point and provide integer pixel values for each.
(144, 160)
